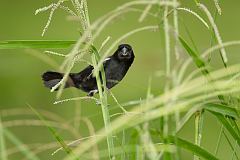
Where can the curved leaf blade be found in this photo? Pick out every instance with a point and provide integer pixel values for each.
(23, 44)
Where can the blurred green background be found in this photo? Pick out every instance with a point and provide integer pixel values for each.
(20, 70)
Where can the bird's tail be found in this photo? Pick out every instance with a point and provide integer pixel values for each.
(50, 79)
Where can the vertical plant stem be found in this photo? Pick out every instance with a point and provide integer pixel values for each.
(104, 105)
(175, 23)
(198, 129)
(167, 41)
(123, 155)
(3, 151)
(168, 56)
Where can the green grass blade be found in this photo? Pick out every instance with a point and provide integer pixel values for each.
(222, 109)
(23, 148)
(196, 150)
(230, 144)
(190, 36)
(3, 155)
(54, 133)
(197, 60)
(21, 44)
(228, 126)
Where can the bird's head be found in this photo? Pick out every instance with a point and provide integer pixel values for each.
(124, 53)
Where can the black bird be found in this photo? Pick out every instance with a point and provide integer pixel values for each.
(115, 67)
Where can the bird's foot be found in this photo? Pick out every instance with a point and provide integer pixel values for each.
(92, 92)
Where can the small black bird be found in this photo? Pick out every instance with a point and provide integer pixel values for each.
(115, 67)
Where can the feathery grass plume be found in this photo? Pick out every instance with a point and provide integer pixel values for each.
(195, 14)
(120, 106)
(215, 29)
(53, 8)
(80, 13)
(68, 10)
(145, 12)
(76, 99)
(216, 2)
(55, 53)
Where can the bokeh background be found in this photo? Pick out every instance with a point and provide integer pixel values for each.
(20, 69)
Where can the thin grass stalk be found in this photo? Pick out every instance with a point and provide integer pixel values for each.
(176, 29)
(230, 144)
(217, 34)
(234, 152)
(104, 105)
(198, 129)
(167, 41)
(219, 140)
(3, 154)
(123, 143)
(145, 12)
(194, 14)
(168, 69)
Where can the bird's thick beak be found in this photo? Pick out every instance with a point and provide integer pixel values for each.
(124, 51)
